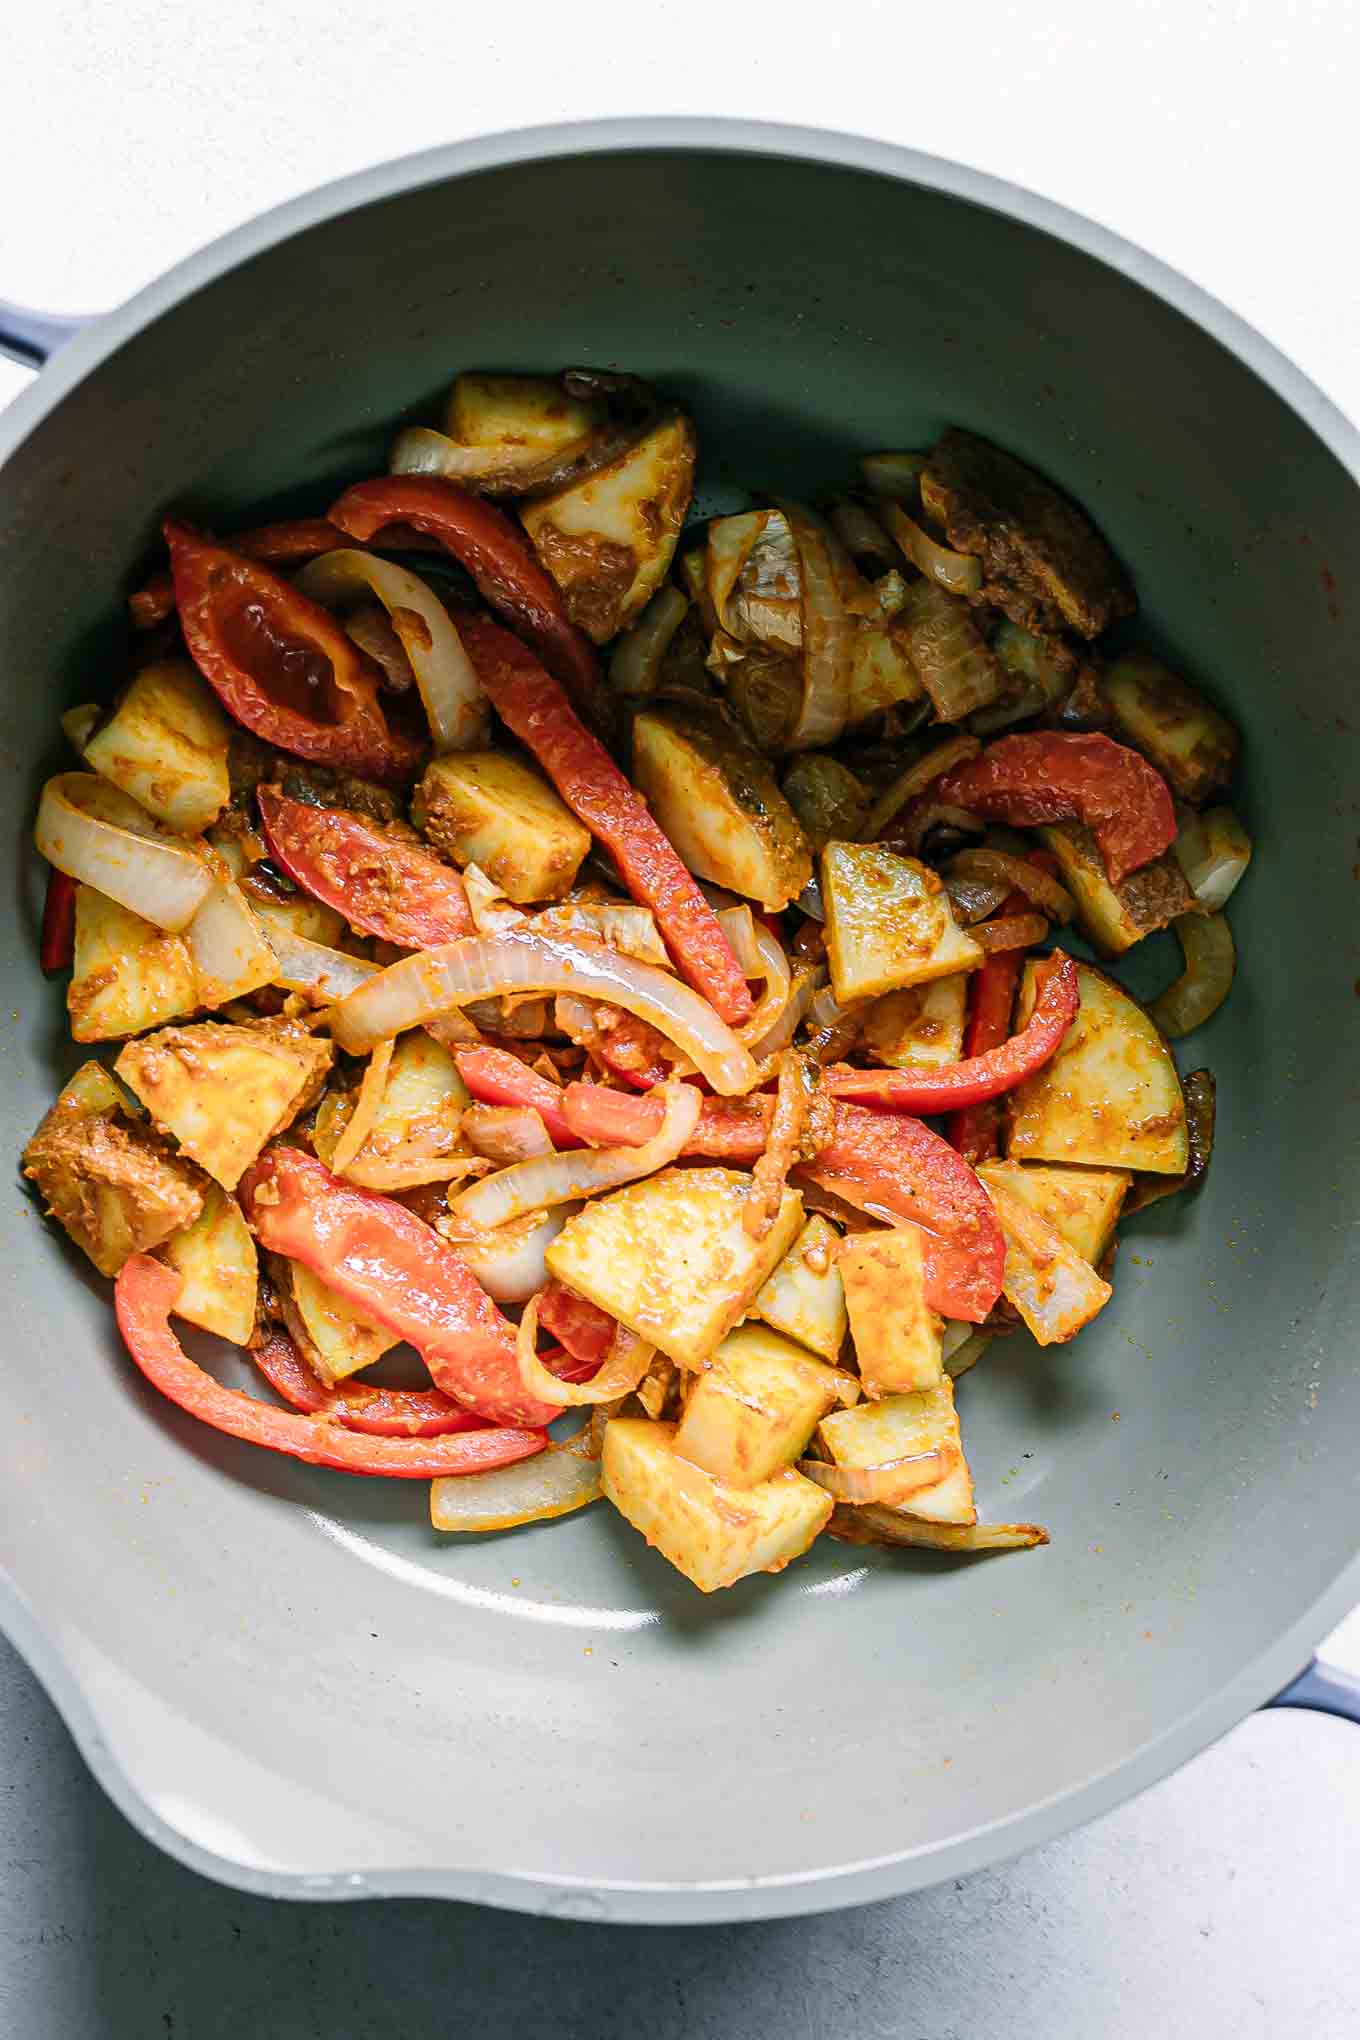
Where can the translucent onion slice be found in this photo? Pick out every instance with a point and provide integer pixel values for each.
(630, 929)
(895, 475)
(956, 750)
(803, 988)
(889, 1484)
(827, 640)
(635, 663)
(547, 1180)
(1213, 850)
(1010, 931)
(449, 687)
(960, 573)
(1018, 875)
(628, 1360)
(228, 946)
(506, 1133)
(884, 1526)
(760, 955)
(435, 982)
(510, 1263)
(362, 1119)
(98, 834)
(311, 968)
(536, 1490)
(491, 911)
(731, 541)
(1210, 964)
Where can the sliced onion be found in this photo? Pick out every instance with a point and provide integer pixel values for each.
(1018, 875)
(228, 946)
(434, 982)
(809, 901)
(825, 706)
(760, 954)
(884, 1526)
(506, 1133)
(630, 929)
(635, 663)
(98, 834)
(889, 1484)
(975, 898)
(895, 475)
(311, 968)
(491, 911)
(955, 750)
(1010, 931)
(581, 1172)
(79, 725)
(501, 470)
(802, 989)
(862, 535)
(510, 1263)
(960, 573)
(731, 541)
(1213, 850)
(623, 1368)
(1210, 964)
(968, 1353)
(406, 1167)
(536, 1490)
(449, 687)
(362, 1119)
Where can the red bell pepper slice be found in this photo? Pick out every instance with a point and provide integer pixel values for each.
(281, 664)
(729, 1129)
(143, 1299)
(585, 1330)
(496, 1077)
(974, 1129)
(57, 950)
(534, 708)
(382, 884)
(378, 1412)
(278, 545)
(500, 560)
(982, 1076)
(1051, 776)
(387, 1263)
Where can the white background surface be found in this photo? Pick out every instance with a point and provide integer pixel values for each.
(1225, 139)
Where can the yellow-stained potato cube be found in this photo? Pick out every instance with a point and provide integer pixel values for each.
(919, 1028)
(335, 1340)
(608, 541)
(128, 974)
(529, 411)
(712, 1532)
(1110, 1098)
(889, 923)
(1083, 1204)
(484, 808)
(223, 1091)
(899, 1427)
(105, 1177)
(717, 799)
(898, 1338)
(166, 745)
(1116, 916)
(671, 1258)
(1191, 744)
(755, 1406)
(805, 1297)
(1054, 1288)
(216, 1258)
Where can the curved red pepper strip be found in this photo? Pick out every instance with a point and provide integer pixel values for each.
(301, 538)
(381, 884)
(280, 663)
(974, 1129)
(585, 1330)
(143, 1299)
(387, 1263)
(496, 1077)
(378, 1412)
(57, 950)
(534, 708)
(500, 560)
(728, 1129)
(1052, 776)
(983, 1076)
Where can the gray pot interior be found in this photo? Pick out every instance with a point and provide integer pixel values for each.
(285, 1666)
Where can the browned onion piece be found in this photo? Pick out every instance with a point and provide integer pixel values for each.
(1010, 931)
(889, 1484)
(1200, 1099)
(1017, 874)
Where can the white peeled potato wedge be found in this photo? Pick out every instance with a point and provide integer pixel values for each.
(166, 745)
(717, 799)
(1083, 1204)
(1110, 1098)
(920, 1027)
(1054, 1288)
(755, 1406)
(712, 1532)
(889, 922)
(219, 1269)
(898, 1338)
(223, 1090)
(336, 1341)
(805, 1298)
(899, 1427)
(127, 974)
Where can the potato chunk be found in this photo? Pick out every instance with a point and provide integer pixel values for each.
(719, 802)
(608, 541)
(1191, 744)
(898, 1427)
(484, 808)
(1083, 1204)
(166, 745)
(105, 1177)
(754, 1407)
(223, 1091)
(920, 1027)
(805, 1297)
(889, 923)
(712, 1532)
(335, 1340)
(670, 1257)
(529, 411)
(1116, 916)
(1110, 1098)
(216, 1258)
(128, 974)
(1054, 1289)
(897, 1335)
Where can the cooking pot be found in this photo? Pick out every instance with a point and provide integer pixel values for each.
(282, 1674)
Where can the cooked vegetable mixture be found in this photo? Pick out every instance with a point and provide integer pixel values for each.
(615, 958)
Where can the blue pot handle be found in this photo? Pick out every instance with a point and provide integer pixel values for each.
(1326, 1689)
(29, 337)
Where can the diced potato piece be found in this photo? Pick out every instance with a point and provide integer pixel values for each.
(1082, 1203)
(1055, 1290)
(1213, 850)
(1116, 916)
(608, 541)
(671, 1258)
(419, 1115)
(897, 1335)
(105, 1177)
(898, 1427)
(223, 1091)
(301, 916)
(805, 1297)
(1110, 1098)
(128, 974)
(889, 922)
(166, 745)
(336, 1340)
(532, 411)
(919, 1028)
(484, 808)
(217, 1259)
(717, 799)
(754, 1407)
(1191, 744)
(713, 1533)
